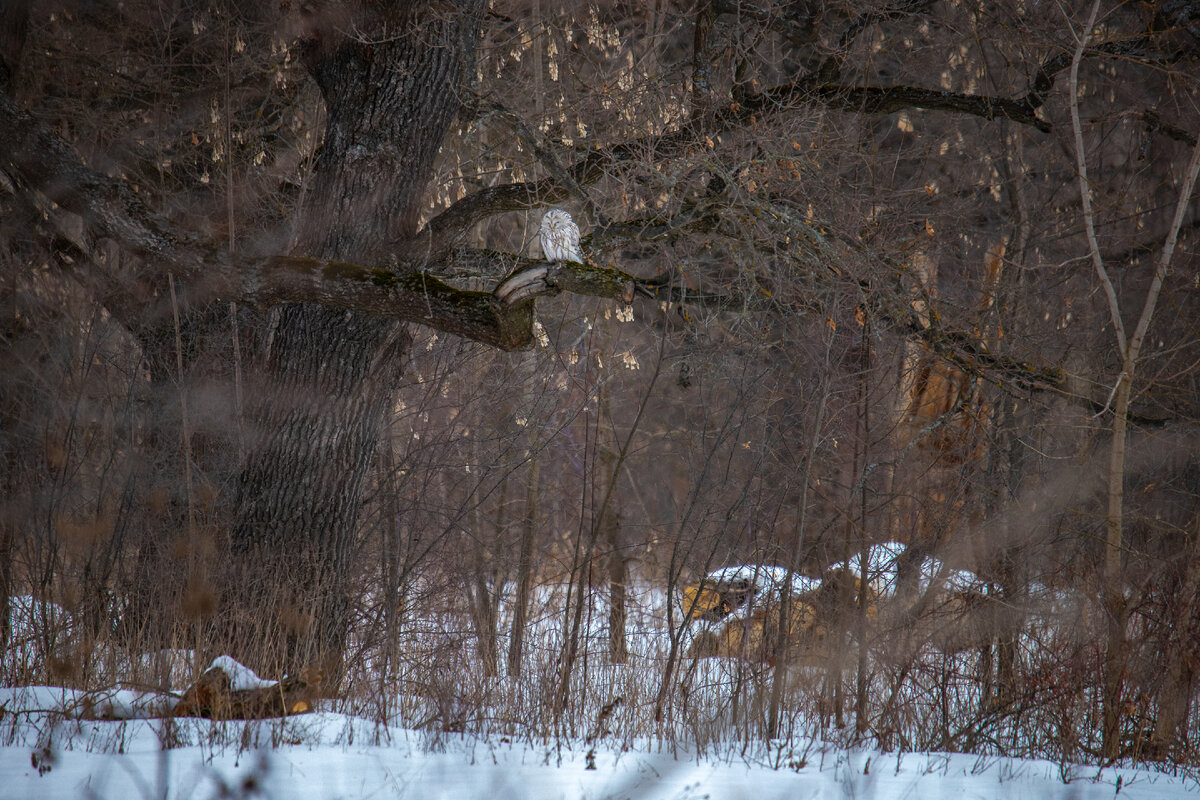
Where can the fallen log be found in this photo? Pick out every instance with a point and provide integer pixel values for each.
(242, 695)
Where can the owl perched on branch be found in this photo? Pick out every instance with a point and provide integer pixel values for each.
(560, 237)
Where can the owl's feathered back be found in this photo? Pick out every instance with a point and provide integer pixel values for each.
(560, 237)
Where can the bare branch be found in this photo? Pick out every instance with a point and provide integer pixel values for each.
(1085, 188)
(698, 218)
(831, 67)
(1157, 124)
(444, 229)
(797, 30)
(549, 161)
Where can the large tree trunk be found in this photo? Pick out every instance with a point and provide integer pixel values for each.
(389, 79)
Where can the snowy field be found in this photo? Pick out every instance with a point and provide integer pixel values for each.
(63, 743)
(322, 756)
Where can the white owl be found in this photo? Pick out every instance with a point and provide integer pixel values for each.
(560, 237)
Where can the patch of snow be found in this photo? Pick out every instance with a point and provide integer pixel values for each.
(881, 566)
(966, 581)
(28, 614)
(241, 677)
(882, 573)
(765, 578)
(57, 701)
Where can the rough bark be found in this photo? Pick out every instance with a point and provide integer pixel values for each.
(483, 583)
(389, 84)
(618, 578)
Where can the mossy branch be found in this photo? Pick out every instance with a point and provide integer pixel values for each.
(407, 295)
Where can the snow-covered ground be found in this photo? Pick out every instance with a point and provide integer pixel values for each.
(326, 755)
(63, 743)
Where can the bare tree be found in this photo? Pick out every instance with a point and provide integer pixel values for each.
(1130, 348)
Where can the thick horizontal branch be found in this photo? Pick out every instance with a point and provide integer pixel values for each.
(964, 351)
(887, 100)
(1157, 124)
(405, 295)
(110, 209)
(544, 278)
(959, 348)
(667, 287)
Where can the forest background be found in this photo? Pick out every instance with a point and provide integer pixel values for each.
(286, 377)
